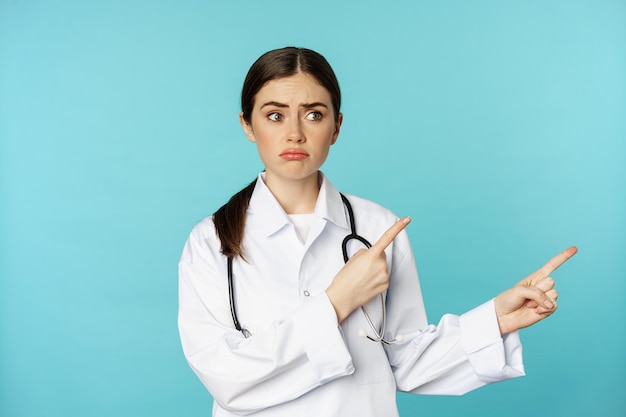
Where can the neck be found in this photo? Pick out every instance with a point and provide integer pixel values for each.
(295, 197)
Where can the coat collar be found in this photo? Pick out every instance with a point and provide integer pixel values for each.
(266, 214)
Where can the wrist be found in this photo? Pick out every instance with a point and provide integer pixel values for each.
(341, 308)
(503, 325)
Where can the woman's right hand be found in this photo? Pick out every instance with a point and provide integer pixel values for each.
(364, 276)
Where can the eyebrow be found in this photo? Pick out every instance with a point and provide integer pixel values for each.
(305, 105)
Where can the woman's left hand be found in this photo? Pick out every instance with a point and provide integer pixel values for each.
(532, 299)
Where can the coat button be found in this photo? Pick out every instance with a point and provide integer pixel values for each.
(306, 293)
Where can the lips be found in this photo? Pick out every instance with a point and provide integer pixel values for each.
(294, 154)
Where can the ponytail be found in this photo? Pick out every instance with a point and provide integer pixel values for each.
(230, 222)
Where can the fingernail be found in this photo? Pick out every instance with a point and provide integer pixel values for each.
(548, 304)
(406, 220)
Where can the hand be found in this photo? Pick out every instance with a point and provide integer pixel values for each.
(532, 299)
(364, 276)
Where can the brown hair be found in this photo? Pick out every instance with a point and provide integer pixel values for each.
(230, 219)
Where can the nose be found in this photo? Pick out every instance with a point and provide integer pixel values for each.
(296, 133)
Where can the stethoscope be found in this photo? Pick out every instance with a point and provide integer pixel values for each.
(378, 333)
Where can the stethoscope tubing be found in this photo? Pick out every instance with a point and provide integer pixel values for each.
(231, 294)
(378, 333)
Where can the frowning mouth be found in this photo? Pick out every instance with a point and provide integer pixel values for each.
(294, 154)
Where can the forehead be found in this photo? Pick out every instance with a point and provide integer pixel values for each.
(300, 87)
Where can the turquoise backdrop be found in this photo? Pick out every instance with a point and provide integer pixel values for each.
(499, 126)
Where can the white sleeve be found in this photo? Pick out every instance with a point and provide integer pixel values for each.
(458, 355)
(290, 358)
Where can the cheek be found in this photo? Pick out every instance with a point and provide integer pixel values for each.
(259, 134)
(265, 143)
(332, 136)
(269, 140)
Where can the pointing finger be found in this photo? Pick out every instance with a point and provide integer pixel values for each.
(557, 261)
(391, 233)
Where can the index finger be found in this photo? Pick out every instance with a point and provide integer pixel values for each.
(557, 261)
(391, 233)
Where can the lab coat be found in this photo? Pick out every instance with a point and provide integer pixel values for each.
(299, 361)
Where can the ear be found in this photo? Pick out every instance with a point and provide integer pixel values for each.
(247, 128)
(337, 128)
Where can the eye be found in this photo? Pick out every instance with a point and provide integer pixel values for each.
(275, 117)
(314, 116)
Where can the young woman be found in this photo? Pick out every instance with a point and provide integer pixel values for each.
(270, 316)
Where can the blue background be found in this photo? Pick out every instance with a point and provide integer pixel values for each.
(499, 126)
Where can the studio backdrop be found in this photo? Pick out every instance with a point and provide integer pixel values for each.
(498, 126)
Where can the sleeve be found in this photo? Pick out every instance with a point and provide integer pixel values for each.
(459, 354)
(244, 375)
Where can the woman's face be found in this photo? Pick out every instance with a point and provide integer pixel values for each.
(293, 126)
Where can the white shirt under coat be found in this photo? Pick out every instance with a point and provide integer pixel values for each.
(299, 361)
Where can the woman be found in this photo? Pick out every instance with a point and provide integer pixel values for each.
(292, 339)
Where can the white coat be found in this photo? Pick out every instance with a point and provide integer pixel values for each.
(299, 361)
